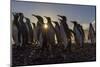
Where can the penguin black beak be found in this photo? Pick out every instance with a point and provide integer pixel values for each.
(60, 16)
(34, 15)
(45, 16)
(74, 22)
(37, 16)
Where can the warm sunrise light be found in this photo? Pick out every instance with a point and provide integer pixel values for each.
(45, 26)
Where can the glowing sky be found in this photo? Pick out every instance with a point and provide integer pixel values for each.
(83, 14)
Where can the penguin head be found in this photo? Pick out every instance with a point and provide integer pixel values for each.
(48, 19)
(55, 22)
(74, 22)
(40, 19)
(62, 17)
(21, 15)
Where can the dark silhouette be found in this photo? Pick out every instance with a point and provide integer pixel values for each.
(79, 37)
(82, 34)
(30, 30)
(51, 31)
(58, 33)
(63, 21)
(39, 25)
(91, 35)
(51, 35)
(23, 30)
(15, 29)
(41, 31)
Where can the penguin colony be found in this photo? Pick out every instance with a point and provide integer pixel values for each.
(42, 35)
(26, 32)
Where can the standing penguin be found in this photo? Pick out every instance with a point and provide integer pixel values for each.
(23, 30)
(58, 33)
(63, 35)
(78, 33)
(83, 35)
(50, 35)
(38, 29)
(67, 31)
(15, 29)
(51, 31)
(30, 30)
(91, 34)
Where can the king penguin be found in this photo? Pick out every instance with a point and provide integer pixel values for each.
(23, 30)
(50, 36)
(30, 30)
(91, 35)
(58, 33)
(51, 31)
(15, 29)
(82, 35)
(38, 30)
(78, 34)
(65, 32)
